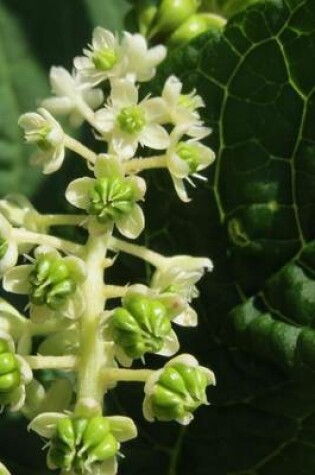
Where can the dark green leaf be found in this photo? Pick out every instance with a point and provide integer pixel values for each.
(255, 218)
(107, 14)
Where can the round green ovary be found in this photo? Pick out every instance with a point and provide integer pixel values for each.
(51, 283)
(4, 346)
(179, 391)
(141, 327)
(131, 120)
(3, 247)
(10, 377)
(79, 443)
(111, 199)
(104, 59)
(189, 154)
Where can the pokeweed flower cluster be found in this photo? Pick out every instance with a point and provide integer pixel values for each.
(93, 346)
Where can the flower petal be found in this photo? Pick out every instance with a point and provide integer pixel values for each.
(177, 166)
(93, 97)
(123, 93)
(187, 318)
(155, 109)
(58, 105)
(10, 258)
(46, 251)
(105, 120)
(45, 424)
(107, 165)
(76, 267)
(131, 226)
(185, 359)
(180, 189)
(56, 160)
(123, 428)
(78, 191)
(155, 136)
(62, 82)
(103, 38)
(171, 345)
(172, 90)
(16, 280)
(109, 467)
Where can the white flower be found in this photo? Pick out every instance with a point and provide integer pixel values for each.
(51, 282)
(125, 123)
(104, 59)
(110, 198)
(71, 93)
(142, 61)
(181, 108)
(46, 425)
(8, 246)
(185, 158)
(43, 130)
(177, 276)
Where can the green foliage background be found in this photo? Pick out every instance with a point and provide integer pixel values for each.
(254, 218)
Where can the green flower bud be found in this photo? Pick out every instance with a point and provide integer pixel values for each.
(3, 247)
(141, 326)
(111, 198)
(179, 391)
(194, 26)
(146, 11)
(51, 283)
(171, 14)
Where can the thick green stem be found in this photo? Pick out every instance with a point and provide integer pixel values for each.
(93, 357)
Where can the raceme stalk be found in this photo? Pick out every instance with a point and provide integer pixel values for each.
(90, 344)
